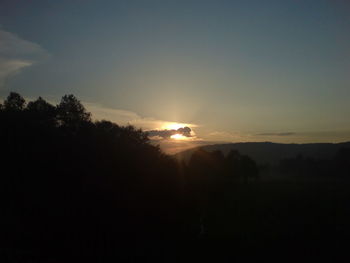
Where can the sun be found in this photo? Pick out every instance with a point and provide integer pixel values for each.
(178, 137)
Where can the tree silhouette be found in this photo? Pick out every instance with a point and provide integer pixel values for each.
(241, 166)
(70, 112)
(42, 111)
(233, 164)
(14, 102)
(249, 168)
(40, 106)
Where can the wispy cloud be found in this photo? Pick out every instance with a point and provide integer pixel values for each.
(16, 54)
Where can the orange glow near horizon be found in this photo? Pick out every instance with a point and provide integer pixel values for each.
(178, 137)
(173, 126)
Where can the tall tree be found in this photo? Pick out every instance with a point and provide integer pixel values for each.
(14, 102)
(71, 112)
(42, 110)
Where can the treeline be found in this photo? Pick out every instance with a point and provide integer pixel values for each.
(71, 186)
(77, 187)
(336, 167)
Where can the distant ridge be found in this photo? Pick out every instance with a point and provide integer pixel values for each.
(271, 153)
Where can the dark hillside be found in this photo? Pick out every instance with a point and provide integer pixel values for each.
(273, 153)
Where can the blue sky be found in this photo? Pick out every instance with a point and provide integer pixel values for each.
(235, 70)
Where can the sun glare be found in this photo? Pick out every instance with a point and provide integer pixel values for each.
(178, 137)
(173, 126)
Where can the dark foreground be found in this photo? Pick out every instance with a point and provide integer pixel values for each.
(75, 190)
(259, 221)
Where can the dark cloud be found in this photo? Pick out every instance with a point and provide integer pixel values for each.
(277, 134)
(165, 134)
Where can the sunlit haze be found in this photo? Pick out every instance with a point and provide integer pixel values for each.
(175, 126)
(178, 137)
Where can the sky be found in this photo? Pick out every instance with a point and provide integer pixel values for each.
(231, 71)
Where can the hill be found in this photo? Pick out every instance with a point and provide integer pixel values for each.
(272, 153)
